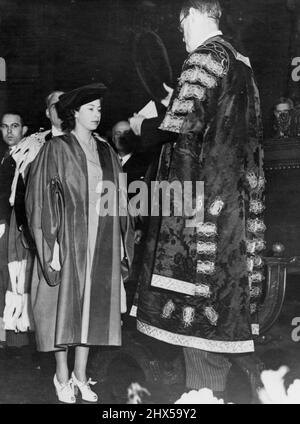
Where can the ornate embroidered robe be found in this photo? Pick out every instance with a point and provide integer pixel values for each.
(200, 284)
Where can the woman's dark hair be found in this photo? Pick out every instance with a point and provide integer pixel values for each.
(67, 117)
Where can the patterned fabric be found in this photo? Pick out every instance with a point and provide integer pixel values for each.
(215, 113)
(17, 312)
(25, 153)
(200, 73)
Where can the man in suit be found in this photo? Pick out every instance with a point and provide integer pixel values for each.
(134, 164)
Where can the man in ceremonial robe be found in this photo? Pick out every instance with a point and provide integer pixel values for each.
(202, 273)
(13, 130)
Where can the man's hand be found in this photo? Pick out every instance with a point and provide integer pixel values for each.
(167, 99)
(138, 234)
(136, 123)
(2, 230)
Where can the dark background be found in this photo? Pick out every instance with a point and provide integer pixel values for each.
(61, 44)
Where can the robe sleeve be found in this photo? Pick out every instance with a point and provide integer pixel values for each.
(216, 102)
(151, 136)
(45, 208)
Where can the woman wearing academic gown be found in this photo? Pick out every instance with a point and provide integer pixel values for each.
(78, 297)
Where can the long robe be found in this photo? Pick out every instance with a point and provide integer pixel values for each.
(21, 249)
(57, 206)
(200, 284)
(7, 169)
(16, 260)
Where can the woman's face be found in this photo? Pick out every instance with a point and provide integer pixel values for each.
(89, 115)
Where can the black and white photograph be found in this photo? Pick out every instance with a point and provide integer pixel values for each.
(149, 204)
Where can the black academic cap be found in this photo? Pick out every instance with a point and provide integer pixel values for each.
(80, 96)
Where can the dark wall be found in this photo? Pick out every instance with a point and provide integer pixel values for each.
(62, 44)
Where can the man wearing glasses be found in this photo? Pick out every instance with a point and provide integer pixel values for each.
(202, 274)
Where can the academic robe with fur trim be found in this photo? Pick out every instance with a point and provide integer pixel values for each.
(57, 212)
(7, 169)
(202, 273)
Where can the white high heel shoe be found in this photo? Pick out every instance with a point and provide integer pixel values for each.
(65, 391)
(87, 393)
